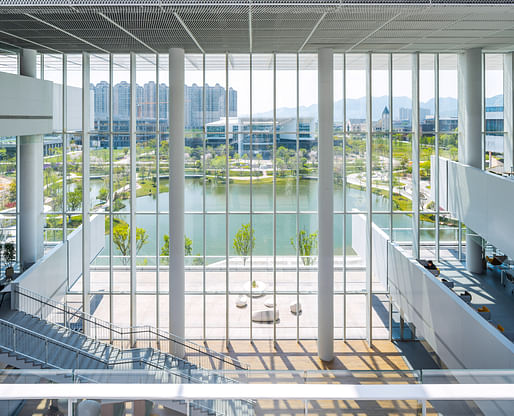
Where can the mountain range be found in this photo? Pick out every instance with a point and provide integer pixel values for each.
(356, 107)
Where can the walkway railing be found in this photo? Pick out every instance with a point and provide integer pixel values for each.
(137, 387)
(133, 337)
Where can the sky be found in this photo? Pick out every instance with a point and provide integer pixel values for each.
(262, 99)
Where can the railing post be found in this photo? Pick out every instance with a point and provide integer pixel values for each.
(65, 313)
(46, 350)
(424, 408)
(306, 411)
(188, 411)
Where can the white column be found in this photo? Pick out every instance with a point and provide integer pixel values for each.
(470, 134)
(369, 207)
(508, 111)
(30, 184)
(86, 226)
(415, 156)
(176, 193)
(133, 186)
(325, 205)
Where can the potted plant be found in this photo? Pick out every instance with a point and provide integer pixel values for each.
(9, 253)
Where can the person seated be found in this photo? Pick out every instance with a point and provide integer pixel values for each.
(431, 266)
(496, 260)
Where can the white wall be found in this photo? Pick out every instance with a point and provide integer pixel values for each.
(481, 200)
(48, 276)
(456, 332)
(379, 247)
(25, 105)
(74, 108)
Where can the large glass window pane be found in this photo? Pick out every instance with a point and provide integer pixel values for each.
(74, 93)
(100, 87)
(52, 71)
(494, 146)
(121, 93)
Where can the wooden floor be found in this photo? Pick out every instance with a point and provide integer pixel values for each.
(354, 355)
(363, 365)
(290, 355)
(362, 362)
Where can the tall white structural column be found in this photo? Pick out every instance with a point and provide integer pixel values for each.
(176, 194)
(325, 205)
(30, 184)
(415, 157)
(470, 134)
(508, 111)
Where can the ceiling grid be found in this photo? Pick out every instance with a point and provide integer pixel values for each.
(287, 26)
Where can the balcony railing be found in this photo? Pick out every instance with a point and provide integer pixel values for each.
(491, 390)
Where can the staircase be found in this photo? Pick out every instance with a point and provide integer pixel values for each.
(47, 340)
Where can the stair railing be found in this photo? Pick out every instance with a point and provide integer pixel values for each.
(62, 314)
(26, 344)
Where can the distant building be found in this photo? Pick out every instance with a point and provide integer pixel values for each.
(356, 124)
(121, 100)
(101, 105)
(383, 123)
(262, 131)
(146, 104)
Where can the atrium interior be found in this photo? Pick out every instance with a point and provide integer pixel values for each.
(255, 192)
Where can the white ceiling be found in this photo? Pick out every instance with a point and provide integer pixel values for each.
(256, 25)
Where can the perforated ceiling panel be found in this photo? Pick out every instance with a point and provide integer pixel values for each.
(146, 26)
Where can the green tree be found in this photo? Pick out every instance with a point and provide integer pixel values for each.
(307, 244)
(165, 250)
(244, 241)
(121, 239)
(11, 193)
(103, 194)
(75, 198)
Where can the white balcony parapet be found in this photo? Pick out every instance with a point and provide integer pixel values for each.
(158, 392)
(481, 200)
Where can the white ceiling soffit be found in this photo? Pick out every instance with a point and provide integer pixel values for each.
(121, 26)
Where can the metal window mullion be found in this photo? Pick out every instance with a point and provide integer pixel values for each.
(274, 198)
(204, 190)
(41, 65)
(297, 196)
(483, 87)
(86, 257)
(111, 199)
(227, 217)
(390, 137)
(344, 197)
(436, 166)
(251, 195)
(133, 155)
(64, 97)
(157, 190)
(369, 224)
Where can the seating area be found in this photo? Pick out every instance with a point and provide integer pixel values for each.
(257, 290)
(465, 295)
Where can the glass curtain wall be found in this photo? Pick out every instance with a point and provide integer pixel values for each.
(251, 168)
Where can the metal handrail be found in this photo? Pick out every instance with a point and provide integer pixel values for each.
(126, 334)
(107, 362)
(47, 340)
